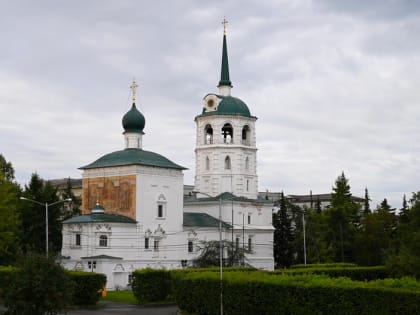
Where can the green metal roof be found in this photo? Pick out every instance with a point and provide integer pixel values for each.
(100, 217)
(229, 105)
(133, 120)
(226, 196)
(101, 257)
(133, 156)
(202, 220)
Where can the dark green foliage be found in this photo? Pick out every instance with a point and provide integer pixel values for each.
(260, 293)
(405, 260)
(374, 239)
(40, 287)
(73, 208)
(366, 205)
(354, 273)
(283, 236)
(342, 219)
(7, 171)
(6, 274)
(151, 285)
(327, 265)
(87, 287)
(9, 221)
(33, 217)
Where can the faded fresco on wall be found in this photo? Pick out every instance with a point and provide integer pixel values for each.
(117, 194)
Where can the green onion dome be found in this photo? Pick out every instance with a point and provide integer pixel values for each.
(133, 120)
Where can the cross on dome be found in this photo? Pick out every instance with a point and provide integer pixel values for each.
(224, 22)
(133, 88)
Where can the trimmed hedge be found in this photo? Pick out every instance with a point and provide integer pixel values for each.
(88, 286)
(324, 265)
(261, 293)
(5, 278)
(151, 285)
(354, 273)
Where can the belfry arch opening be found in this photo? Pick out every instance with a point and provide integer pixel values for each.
(246, 135)
(227, 133)
(208, 134)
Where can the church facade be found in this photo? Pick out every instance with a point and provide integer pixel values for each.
(134, 211)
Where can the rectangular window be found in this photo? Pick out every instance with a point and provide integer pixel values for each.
(249, 243)
(103, 241)
(190, 246)
(160, 211)
(130, 279)
(249, 219)
(237, 243)
(92, 264)
(156, 245)
(146, 243)
(78, 240)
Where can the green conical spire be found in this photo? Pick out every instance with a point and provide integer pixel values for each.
(224, 74)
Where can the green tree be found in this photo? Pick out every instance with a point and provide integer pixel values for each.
(6, 169)
(405, 259)
(283, 236)
(375, 238)
(316, 247)
(73, 208)
(366, 205)
(39, 287)
(210, 254)
(33, 217)
(403, 214)
(9, 219)
(342, 221)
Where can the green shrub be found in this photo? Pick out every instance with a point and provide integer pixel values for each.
(6, 274)
(151, 285)
(261, 293)
(88, 286)
(354, 273)
(40, 286)
(325, 265)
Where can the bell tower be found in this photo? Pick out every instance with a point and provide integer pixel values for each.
(225, 141)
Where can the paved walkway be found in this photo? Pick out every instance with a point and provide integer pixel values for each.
(106, 308)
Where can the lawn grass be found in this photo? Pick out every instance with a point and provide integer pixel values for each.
(120, 296)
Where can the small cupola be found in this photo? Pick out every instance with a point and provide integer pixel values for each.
(133, 123)
(98, 209)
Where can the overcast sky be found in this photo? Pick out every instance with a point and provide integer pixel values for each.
(335, 85)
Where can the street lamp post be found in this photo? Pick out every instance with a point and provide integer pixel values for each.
(46, 215)
(304, 236)
(220, 246)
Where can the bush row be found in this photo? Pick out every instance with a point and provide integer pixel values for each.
(354, 273)
(87, 285)
(155, 285)
(151, 285)
(261, 293)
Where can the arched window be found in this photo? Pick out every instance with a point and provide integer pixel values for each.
(246, 135)
(247, 164)
(161, 207)
(227, 163)
(208, 134)
(207, 163)
(227, 133)
(103, 241)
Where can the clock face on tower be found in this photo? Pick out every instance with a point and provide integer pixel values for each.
(210, 102)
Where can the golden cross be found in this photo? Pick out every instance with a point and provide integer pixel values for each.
(133, 88)
(224, 22)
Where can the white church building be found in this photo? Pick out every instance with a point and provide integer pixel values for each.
(134, 211)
